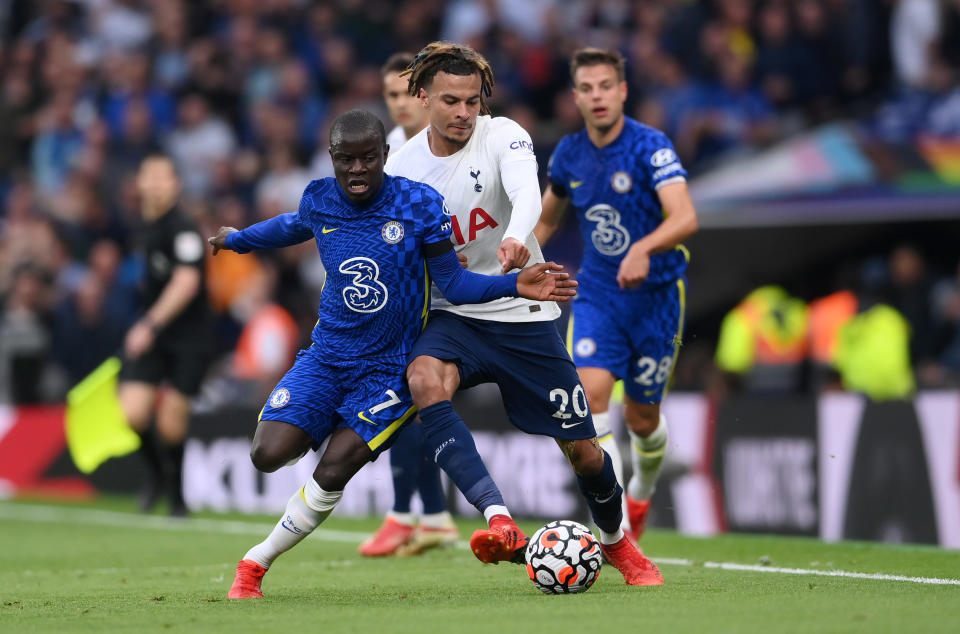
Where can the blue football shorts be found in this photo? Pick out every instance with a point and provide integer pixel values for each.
(369, 397)
(635, 336)
(541, 391)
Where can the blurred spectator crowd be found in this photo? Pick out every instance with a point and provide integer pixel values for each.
(240, 93)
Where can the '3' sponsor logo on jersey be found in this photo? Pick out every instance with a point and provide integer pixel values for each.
(609, 237)
(366, 293)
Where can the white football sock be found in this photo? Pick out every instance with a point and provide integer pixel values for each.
(647, 458)
(443, 519)
(610, 538)
(601, 422)
(495, 509)
(306, 510)
(401, 518)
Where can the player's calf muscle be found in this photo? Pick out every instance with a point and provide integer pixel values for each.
(585, 456)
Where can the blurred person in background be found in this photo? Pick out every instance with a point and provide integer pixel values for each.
(947, 312)
(280, 186)
(730, 114)
(628, 189)
(172, 342)
(25, 343)
(914, 30)
(269, 339)
(130, 82)
(85, 332)
(910, 293)
(411, 457)
(762, 344)
(58, 143)
(200, 140)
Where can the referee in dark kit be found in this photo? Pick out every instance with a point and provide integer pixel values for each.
(171, 345)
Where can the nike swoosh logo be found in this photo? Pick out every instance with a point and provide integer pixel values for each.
(569, 425)
(649, 392)
(362, 417)
(325, 230)
(575, 184)
(607, 499)
(294, 530)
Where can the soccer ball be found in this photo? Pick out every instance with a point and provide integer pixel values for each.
(563, 557)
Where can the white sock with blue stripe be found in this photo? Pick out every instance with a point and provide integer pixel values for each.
(601, 422)
(306, 509)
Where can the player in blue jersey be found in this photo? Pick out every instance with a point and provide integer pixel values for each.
(378, 237)
(411, 458)
(628, 189)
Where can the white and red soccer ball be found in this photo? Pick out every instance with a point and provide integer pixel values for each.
(563, 557)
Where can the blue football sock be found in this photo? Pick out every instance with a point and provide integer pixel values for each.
(455, 452)
(604, 496)
(428, 483)
(405, 460)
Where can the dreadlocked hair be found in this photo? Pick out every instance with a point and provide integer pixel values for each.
(449, 57)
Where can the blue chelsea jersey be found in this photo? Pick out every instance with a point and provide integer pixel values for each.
(613, 190)
(375, 297)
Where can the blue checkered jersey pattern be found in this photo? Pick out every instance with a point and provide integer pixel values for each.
(375, 298)
(614, 193)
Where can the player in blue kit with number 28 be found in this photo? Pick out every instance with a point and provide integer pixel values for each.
(379, 237)
(628, 188)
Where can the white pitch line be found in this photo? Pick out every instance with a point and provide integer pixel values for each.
(57, 514)
(878, 576)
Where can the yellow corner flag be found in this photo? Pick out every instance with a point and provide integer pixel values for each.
(95, 425)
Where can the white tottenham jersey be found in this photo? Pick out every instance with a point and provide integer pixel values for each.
(396, 139)
(470, 183)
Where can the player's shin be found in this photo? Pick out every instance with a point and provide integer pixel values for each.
(647, 457)
(456, 453)
(608, 443)
(306, 509)
(429, 485)
(605, 499)
(405, 460)
(175, 483)
(150, 454)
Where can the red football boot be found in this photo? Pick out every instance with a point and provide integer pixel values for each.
(637, 511)
(246, 585)
(389, 537)
(503, 541)
(636, 569)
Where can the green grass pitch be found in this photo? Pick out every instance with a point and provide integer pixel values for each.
(100, 568)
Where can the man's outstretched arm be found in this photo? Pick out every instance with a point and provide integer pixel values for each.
(541, 282)
(280, 231)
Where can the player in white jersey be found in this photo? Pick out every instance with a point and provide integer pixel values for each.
(411, 460)
(487, 172)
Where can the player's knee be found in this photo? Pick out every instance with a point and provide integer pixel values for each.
(136, 412)
(265, 458)
(643, 419)
(332, 477)
(426, 384)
